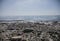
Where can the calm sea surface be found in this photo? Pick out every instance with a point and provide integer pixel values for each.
(30, 18)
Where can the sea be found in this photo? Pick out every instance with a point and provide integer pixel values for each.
(32, 18)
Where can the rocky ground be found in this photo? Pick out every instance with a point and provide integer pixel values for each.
(30, 31)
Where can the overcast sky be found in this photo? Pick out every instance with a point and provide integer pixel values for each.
(29, 7)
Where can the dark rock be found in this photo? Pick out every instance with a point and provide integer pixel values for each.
(27, 30)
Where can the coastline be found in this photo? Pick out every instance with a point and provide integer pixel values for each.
(15, 29)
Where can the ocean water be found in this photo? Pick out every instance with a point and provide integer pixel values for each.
(32, 18)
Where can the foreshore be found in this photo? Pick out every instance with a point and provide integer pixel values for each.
(29, 30)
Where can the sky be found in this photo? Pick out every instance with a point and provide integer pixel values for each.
(29, 7)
